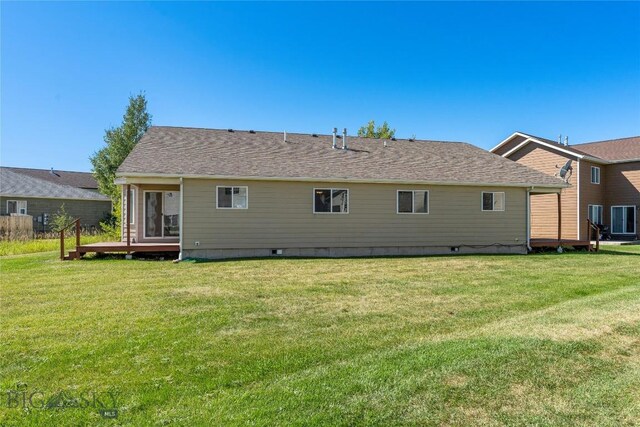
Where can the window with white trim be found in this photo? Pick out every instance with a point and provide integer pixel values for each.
(331, 200)
(595, 175)
(413, 202)
(595, 214)
(493, 201)
(17, 207)
(132, 206)
(232, 197)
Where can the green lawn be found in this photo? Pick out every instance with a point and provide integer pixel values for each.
(467, 340)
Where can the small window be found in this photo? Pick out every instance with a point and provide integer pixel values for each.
(330, 200)
(17, 207)
(595, 175)
(595, 214)
(493, 201)
(413, 201)
(232, 197)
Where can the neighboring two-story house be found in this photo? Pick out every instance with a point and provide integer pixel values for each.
(604, 178)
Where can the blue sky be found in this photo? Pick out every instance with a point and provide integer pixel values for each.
(471, 72)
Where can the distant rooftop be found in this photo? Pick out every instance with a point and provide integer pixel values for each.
(15, 182)
(74, 179)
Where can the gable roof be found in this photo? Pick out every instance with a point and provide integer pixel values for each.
(613, 149)
(13, 184)
(609, 151)
(191, 152)
(74, 179)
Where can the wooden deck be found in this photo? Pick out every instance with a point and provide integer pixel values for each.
(122, 247)
(555, 243)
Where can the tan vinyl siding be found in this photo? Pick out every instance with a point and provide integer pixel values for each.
(591, 194)
(280, 216)
(622, 187)
(544, 208)
(515, 141)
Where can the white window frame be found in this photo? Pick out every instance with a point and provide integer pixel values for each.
(131, 200)
(144, 215)
(601, 213)
(313, 201)
(18, 203)
(635, 218)
(504, 201)
(413, 207)
(246, 187)
(595, 169)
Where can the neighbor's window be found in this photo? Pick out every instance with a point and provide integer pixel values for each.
(17, 207)
(595, 175)
(413, 201)
(232, 197)
(595, 214)
(492, 201)
(330, 200)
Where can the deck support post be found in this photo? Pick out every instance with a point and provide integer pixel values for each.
(559, 218)
(128, 207)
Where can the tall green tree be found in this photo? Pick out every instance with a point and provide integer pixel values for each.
(119, 143)
(382, 132)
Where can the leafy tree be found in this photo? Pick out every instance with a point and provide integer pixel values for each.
(60, 219)
(119, 143)
(382, 132)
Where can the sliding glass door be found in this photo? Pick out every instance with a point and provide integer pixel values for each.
(623, 220)
(161, 214)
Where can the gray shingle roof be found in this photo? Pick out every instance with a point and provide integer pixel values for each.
(72, 178)
(613, 150)
(210, 152)
(16, 184)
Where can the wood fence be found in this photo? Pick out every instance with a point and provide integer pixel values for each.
(18, 227)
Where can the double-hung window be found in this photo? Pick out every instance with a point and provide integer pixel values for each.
(330, 200)
(17, 207)
(413, 201)
(492, 201)
(232, 197)
(595, 175)
(595, 214)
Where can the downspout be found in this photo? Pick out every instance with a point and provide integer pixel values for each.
(528, 205)
(181, 217)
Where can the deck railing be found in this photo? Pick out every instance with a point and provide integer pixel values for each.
(591, 227)
(62, 231)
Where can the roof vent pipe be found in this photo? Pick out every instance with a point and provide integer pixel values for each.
(560, 139)
(285, 136)
(335, 132)
(344, 139)
(566, 141)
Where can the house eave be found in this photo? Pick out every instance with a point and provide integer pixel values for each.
(143, 178)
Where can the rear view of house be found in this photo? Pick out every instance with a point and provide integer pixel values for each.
(604, 178)
(40, 193)
(229, 193)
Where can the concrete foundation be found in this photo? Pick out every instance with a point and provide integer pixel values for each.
(351, 252)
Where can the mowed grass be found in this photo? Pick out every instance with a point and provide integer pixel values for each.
(465, 340)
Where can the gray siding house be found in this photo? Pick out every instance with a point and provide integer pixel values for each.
(229, 193)
(37, 192)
